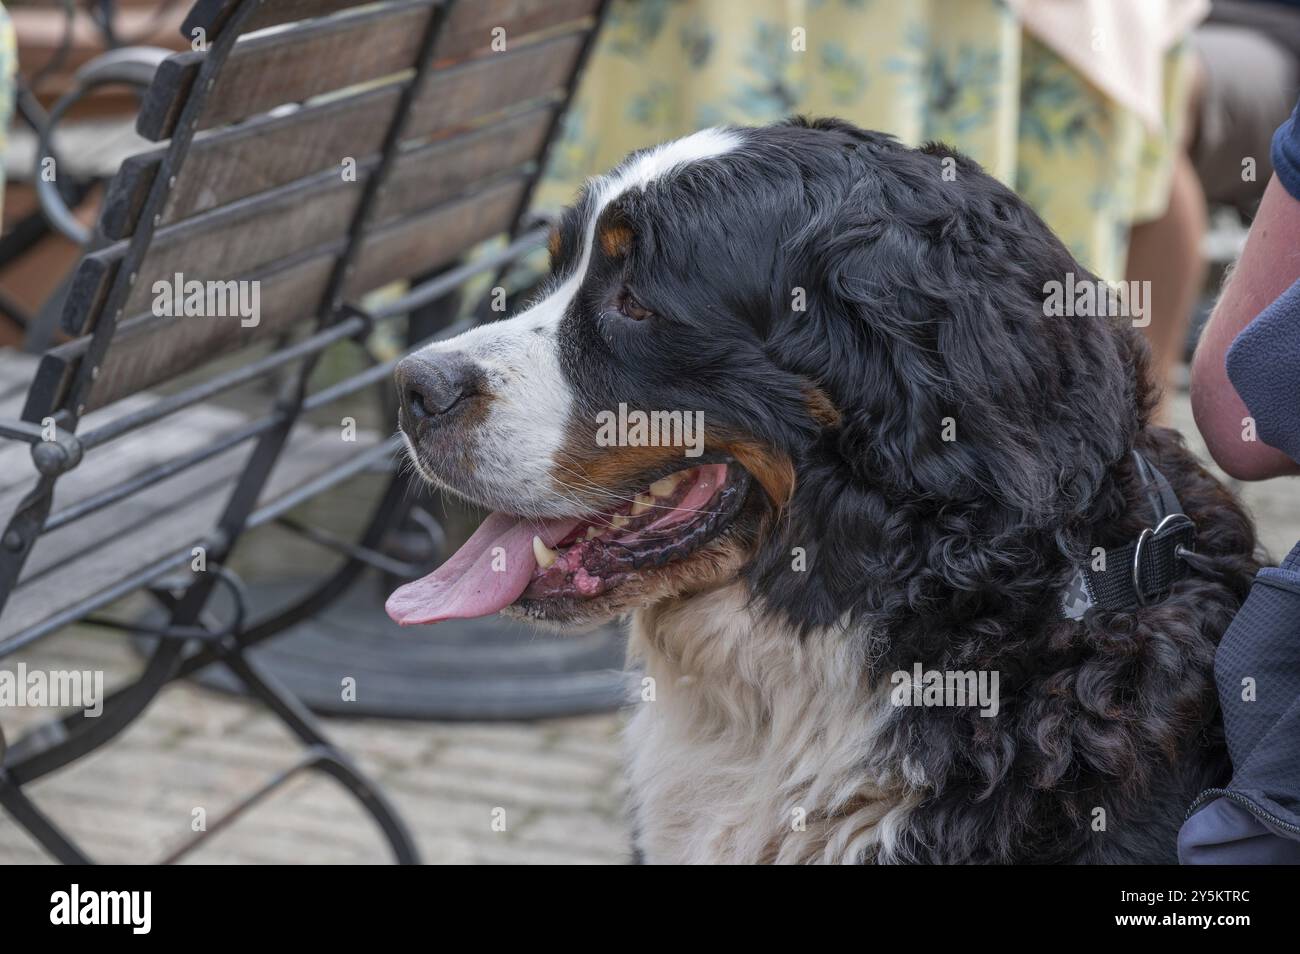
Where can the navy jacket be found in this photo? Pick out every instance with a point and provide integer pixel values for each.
(1256, 819)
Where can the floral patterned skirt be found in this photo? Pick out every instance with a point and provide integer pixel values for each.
(958, 71)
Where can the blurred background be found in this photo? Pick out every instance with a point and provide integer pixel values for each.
(1138, 129)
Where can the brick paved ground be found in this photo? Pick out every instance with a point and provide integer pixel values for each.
(559, 781)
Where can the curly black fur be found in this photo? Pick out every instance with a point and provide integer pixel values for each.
(927, 303)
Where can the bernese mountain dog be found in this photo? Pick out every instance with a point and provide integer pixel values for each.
(792, 401)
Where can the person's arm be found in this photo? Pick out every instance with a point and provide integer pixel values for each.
(1269, 265)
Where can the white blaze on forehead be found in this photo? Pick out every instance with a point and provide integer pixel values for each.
(656, 162)
(517, 444)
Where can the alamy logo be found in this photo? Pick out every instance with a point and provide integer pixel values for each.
(932, 687)
(180, 298)
(651, 429)
(103, 907)
(57, 689)
(1094, 298)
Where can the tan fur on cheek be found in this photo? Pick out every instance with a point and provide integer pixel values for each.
(821, 407)
(773, 470)
(582, 466)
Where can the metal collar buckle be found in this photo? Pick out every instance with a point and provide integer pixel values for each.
(1169, 525)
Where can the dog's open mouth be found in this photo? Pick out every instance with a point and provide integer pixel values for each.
(540, 563)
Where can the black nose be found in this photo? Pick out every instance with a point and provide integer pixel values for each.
(429, 386)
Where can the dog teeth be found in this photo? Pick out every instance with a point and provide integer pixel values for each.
(546, 557)
(666, 485)
(593, 532)
(618, 522)
(640, 504)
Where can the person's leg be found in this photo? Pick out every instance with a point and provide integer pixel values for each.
(1242, 86)
(1167, 253)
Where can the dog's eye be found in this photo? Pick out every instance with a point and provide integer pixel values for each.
(629, 307)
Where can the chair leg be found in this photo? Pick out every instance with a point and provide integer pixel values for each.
(57, 743)
(331, 760)
(311, 760)
(75, 735)
(65, 740)
(38, 824)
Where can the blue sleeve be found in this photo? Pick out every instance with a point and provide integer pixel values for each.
(1264, 366)
(1286, 154)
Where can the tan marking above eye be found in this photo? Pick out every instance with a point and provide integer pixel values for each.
(553, 243)
(616, 240)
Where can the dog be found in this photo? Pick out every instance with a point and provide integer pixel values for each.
(905, 459)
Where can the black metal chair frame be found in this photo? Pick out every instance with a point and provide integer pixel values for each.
(192, 639)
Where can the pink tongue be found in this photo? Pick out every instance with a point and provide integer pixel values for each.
(483, 577)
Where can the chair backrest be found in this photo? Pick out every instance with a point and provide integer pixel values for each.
(315, 152)
(320, 152)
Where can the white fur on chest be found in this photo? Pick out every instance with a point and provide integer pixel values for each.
(758, 747)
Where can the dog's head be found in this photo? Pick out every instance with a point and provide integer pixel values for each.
(803, 353)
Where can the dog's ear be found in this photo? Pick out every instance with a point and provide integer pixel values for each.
(968, 414)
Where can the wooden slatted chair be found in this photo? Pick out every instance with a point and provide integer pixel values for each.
(317, 153)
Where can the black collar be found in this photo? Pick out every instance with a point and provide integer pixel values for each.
(1145, 570)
